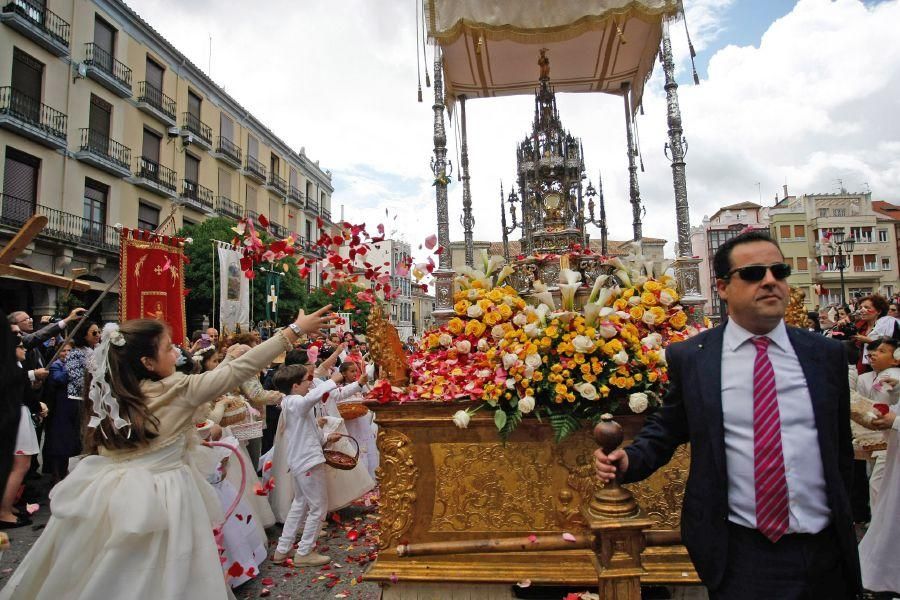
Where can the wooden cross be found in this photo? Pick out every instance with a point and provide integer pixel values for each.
(17, 245)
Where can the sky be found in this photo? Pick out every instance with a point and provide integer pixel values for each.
(800, 93)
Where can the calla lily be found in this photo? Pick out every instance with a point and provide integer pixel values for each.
(591, 314)
(567, 295)
(542, 311)
(605, 295)
(598, 283)
(569, 276)
(542, 294)
(505, 272)
(624, 277)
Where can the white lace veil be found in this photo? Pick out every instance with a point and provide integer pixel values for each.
(104, 403)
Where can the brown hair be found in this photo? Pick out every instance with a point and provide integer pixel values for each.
(879, 303)
(243, 338)
(124, 374)
(288, 375)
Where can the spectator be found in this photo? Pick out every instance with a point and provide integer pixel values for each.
(63, 428)
(13, 381)
(874, 323)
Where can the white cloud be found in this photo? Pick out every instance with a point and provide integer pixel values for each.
(812, 103)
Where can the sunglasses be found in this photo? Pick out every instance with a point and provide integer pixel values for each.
(758, 272)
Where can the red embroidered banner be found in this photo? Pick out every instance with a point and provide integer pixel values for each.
(152, 279)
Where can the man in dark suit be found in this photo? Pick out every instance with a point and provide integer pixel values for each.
(765, 409)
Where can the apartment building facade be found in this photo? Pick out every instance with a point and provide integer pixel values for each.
(103, 121)
(801, 225)
(726, 223)
(393, 254)
(422, 309)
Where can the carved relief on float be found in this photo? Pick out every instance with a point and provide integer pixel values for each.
(397, 475)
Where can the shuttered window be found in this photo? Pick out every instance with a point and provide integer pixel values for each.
(799, 231)
(802, 263)
(194, 104)
(252, 147)
(154, 74)
(150, 146)
(95, 200)
(191, 168)
(148, 217)
(225, 183)
(20, 185)
(785, 232)
(226, 127)
(27, 75)
(99, 118)
(104, 36)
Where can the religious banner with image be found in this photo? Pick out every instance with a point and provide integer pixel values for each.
(234, 289)
(151, 279)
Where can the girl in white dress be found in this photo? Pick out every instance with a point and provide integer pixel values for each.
(135, 520)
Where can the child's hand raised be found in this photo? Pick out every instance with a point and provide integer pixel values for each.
(337, 377)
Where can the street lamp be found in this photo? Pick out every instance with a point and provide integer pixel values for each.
(840, 248)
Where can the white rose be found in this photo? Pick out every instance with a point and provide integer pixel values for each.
(529, 372)
(653, 340)
(587, 390)
(483, 345)
(662, 357)
(509, 360)
(472, 294)
(533, 360)
(474, 311)
(464, 346)
(445, 340)
(638, 402)
(510, 383)
(484, 373)
(648, 318)
(532, 330)
(606, 311)
(625, 316)
(634, 300)
(607, 330)
(583, 344)
(526, 404)
(665, 298)
(498, 331)
(620, 357)
(520, 320)
(461, 419)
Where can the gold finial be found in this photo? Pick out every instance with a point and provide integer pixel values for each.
(544, 63)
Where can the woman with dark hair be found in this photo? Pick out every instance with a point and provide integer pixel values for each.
(135, 518)
(13, 381)
(62, 431)
(873, 324)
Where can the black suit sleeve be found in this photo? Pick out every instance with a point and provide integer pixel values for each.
(665, 430)
(32, 340)
(845, 437)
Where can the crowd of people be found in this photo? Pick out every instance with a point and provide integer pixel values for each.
(114, 416)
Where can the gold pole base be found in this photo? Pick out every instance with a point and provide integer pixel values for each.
(613, 502)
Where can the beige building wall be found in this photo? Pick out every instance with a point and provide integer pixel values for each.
(62, 174)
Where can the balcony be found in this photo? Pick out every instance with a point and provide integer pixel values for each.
(312, 206)
(277, 185)
(40, 25)
(32, 119)
(227, 208)
(107, 71)
(152, 101)
(104, 153)
(278, 230)
(255, 170)
(295, 196)
(61, 226)
(309, 247)
(196, 196)
(228, 152)
(154, 177)
(326, 214)
(200, 132)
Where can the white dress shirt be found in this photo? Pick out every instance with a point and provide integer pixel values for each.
(807, 502)
(304, 438)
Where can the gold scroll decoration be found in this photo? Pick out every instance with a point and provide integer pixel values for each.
(397, 475)
(661, 495)
(492, 487)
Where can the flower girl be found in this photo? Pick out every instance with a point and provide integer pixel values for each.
(135, 519)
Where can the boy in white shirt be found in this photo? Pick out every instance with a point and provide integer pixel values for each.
(306, 462)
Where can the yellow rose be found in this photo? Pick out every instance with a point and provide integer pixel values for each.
(678, 320)
(461, 307)
(505, 311)
(627, 293)
(485, 304)
(560, 389)
(649, 299)
(492, 318)
(659, 315)
(456, 325)
(620, 304)
(636, 312)
(495, 296)
(475, 328)
(551, 332)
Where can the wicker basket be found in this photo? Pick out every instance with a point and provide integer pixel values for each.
(247, 431)
(352, 410)
(340, 460)
(236, 412)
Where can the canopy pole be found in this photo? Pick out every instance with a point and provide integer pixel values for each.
(468, 219)
(687, 269)
(634, 187)
(443, 287)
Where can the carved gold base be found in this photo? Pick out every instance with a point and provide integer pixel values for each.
(440, 483)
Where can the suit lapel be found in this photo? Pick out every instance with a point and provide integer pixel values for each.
(708, 368)
(814, 383)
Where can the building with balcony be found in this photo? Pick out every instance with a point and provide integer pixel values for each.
(395, 253)
(103, 121)
(802, 226)
(422, 309)
(726, 223)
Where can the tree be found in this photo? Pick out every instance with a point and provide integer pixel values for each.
(199, 279)
(342, 299)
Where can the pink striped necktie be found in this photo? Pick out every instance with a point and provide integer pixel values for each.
(771, 484)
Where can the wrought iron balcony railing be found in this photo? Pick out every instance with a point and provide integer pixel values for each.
(255, 167)
(95, 56)
(326, 214)
(61, 226)
(295, 194)
(196, 194)
(192, 123)
(97, 143)
(46, 20)
(312, 205)
(278, 183)
(278, 230)
(226, 207)
(152, 95)
(33, 112)
(228, 148)
(155, 172)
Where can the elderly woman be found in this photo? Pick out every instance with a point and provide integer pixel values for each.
(874, 323)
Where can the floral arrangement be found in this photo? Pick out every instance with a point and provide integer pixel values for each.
(566, 364)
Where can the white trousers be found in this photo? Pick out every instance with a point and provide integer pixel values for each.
(308, 508)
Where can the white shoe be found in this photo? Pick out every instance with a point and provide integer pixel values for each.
(313, 559)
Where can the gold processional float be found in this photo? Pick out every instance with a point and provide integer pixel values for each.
(487, 481)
